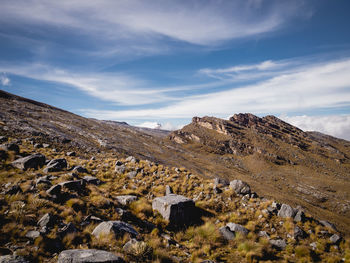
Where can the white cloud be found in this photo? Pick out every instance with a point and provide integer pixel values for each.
(307, 87)
(150, 125)
(198, 22)
(335, 125)
(5, 81)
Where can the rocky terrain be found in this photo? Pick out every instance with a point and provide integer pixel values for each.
(247, 189)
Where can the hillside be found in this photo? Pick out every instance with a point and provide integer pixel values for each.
(63, 175)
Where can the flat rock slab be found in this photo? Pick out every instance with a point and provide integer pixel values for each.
(177, 209)
(87, 256)
(34, 161)
(119, 228)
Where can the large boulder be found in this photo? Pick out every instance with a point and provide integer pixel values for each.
(56, 165)
(34, 161)
(88, 256)
(177, 209)
(118, 228)
(240, 187)
(286, 211)
(12, 259)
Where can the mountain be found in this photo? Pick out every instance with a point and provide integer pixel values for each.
(65, 178)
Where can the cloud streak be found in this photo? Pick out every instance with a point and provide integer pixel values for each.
(5, 81)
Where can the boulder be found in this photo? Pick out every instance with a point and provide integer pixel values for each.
(286, 211)
(279, 244)
(299, 233)
(10, 147)
(126, 199)
(56, 165)
(131, 159)
(132, 174)
(32, 234)
(12, 259)
(119, 228)
(335, 239)
(77, 185)
(226, 233)
(80, 169)
(177, 209)
(34, 161)
(300, 216)
(71, 154)
(91, 180)
(236, 228)
(88, 256)
(240, 187)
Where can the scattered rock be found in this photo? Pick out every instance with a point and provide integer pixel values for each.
(3, 139)
(126, 199)
(132, 174)
(119, 228)
(71, 154)
(236, 228)
(69, 228)
(10, 147)
(120, 169)
(217, 190)
(175, 208)
(34, 161)
(131, 159)
(240, 187)
(56, 165)
(80, 169)
(46, 220)
(77, 185)
(263, 234)
(43, 180)
(286, 211)
(168, 190)
(88, 256)
(222, 182)
(92, 180)
(38, 146)
(227, 233)
(12, 259)
(335, 239)
(299, 233)
(33, 234)
(300, 216)
(13, 190)
(279, 244)
(54, 190)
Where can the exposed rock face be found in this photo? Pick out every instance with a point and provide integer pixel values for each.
(286, 211)
(88, 256)
(56, 165)
(126, 199)
(175, 208)
(34, 161)
(117, 227)
(240, 187)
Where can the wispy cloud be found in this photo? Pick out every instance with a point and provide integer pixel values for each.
(198, 22)
(335, 125)
(308, 87)
(5, 81)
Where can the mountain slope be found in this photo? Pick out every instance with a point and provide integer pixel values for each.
(278, 160)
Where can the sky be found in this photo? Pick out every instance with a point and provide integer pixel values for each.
(160, 62)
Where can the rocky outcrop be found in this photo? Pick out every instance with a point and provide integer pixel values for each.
(88, 256)
(177, 209)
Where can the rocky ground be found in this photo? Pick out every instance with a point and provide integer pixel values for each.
(77, 206)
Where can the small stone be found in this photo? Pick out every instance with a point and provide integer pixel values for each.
(46, 220)
(71, 154)
(132, 174)
(168, 190)
(33, 234)
(335, 239)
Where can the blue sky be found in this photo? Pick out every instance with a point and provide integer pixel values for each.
(158, 61)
